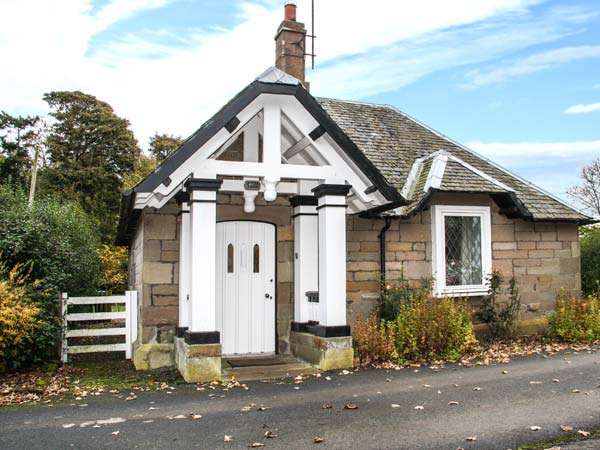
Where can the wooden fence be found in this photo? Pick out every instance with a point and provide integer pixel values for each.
(129, 314)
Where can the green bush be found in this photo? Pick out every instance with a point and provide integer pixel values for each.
(57, 243)
(425, 328)
(21, 320)
(590, 260)
(57, 238)
(394, 295)
(500, 317)
(433, 328)
(575, 319)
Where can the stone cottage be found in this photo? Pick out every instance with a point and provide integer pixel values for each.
(267, 230)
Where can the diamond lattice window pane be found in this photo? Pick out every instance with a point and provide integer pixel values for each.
(463, 250)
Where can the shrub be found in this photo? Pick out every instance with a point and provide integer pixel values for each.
(57, 238)
(590, 260)
(114, 268)
(500, 317)
(575, 319)
(425, 329)
(19, 317)
(374, 340)
(393, 295)
(433, 328)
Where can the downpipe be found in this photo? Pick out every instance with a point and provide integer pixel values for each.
(381, 236)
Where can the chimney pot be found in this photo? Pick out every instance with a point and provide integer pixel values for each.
(290, 11)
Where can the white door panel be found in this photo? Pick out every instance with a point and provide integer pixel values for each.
(246, 287)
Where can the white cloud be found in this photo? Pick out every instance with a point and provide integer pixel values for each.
(531, 64)
(506, 151)
(554, 166)
(582, 109)
(171, 81)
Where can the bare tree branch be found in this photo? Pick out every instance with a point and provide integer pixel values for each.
(588, 192)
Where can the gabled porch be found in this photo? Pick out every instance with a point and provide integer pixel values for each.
(274, 160)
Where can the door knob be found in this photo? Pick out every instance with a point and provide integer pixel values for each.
(268, 296)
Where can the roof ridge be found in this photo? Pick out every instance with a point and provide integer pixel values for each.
(355, 102)
(486, 159)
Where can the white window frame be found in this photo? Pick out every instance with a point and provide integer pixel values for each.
(438, 254)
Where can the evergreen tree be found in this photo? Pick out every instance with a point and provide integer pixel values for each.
(90, 151)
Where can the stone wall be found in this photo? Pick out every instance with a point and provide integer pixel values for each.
(543, 256)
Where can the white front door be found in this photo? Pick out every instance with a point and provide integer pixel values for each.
(246, 287)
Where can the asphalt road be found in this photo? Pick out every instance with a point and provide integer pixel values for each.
(499, 414)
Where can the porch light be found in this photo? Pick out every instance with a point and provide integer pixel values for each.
(270, 193)
(251, 188)
(249, 198)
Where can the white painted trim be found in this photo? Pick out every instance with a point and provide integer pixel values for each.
(202, 312)
(436, 172)
(438, 256)
(284, 187)
(77, 317)
(482, 174)
(95, 332)
(96, 300)
(98, 348)
(306, 261)
(332, 260)
(184, 264)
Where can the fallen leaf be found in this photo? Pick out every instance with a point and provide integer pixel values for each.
(471, 438)
(262, 408)
(327, 406)
(576, 391)
(195, 416)
(583, 433)
(556, 380)
(317, 440)
(453, 403)
(350, 406)
(476, 388)
(115, 432)
(256, 445)
(419, 407)
(504, 372)
(68, 425)
(395, 405)
(535, 428)
(566, 428)
(270, 435)
(227, 438)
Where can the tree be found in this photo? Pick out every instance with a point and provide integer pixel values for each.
(143, 166)
(90, 150)
(19, 135)
(588, 192)
(162, 145)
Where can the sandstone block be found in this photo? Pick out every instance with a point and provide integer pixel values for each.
(160, 226)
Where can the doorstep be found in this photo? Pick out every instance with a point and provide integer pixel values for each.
(289, 367)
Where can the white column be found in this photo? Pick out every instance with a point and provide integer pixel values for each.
(184, 263)
(306, 251)
(271, 149)
(332, 253)
(203, 230)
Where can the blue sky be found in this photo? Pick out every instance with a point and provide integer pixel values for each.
(517, 80)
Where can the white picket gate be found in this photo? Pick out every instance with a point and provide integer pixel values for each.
(129, 299)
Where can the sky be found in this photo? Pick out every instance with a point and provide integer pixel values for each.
(515, 80)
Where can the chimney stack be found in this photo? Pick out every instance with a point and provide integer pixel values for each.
(290, 43)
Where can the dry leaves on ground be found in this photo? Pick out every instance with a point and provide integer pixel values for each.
(35, 386)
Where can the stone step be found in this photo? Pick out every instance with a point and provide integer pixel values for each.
(291, 369)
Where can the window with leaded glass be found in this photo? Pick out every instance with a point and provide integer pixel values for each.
(461, 256)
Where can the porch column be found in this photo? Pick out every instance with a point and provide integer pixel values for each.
(185, 236)
(331, 211)
(306, 259)
(203, 221)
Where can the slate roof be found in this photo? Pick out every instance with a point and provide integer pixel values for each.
(392, 140)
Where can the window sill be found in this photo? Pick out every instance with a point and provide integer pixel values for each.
(470, 292)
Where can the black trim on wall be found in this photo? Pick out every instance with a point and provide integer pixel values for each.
(232, 124)
(202, 184)
(331, 189)
(329, 331)
(182, 197)
(180, 331)
(202, 337)
(303, 200)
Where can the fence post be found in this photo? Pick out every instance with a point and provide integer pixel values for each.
(64, 349)
(127, 324)
(134, 316)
